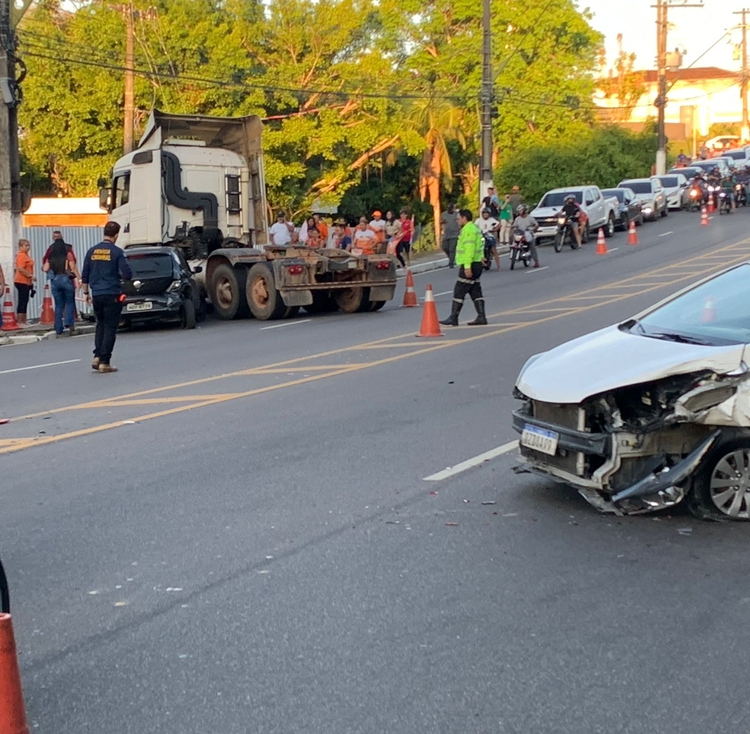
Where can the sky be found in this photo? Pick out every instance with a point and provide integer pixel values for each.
(695, 29)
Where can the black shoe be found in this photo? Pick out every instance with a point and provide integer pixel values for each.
(481, 319)
(450, 321)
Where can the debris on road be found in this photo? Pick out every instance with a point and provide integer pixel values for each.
(452, 524)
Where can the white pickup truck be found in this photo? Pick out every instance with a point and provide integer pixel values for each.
(601, 210)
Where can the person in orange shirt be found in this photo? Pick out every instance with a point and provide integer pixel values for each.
(23, 279)
(364, 238)
(322, 227)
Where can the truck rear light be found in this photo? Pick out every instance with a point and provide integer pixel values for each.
(295, 269)
(383, 265)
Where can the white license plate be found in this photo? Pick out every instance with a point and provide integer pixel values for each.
(147, 306)
(540, 439)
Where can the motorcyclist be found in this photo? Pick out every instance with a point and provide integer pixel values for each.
(727, 188)
(528, 225)
(488, 226)
(573, 212)
(743, 178)
(699, 183)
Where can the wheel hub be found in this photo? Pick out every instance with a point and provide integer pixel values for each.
(730, 484)
(260, 292)
(224, 292)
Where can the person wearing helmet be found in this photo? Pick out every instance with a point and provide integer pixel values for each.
(528, 225)
(573, 212)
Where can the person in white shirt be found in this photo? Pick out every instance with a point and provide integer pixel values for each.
(377, 225)
(281, 232)
(488, 226)
(364, 238)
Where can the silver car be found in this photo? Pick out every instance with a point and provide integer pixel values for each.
(676, 190)
(652, 411)
(650, 193)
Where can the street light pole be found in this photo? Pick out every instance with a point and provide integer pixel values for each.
(661, 98)
(485, 177)
(129, 97)
(745, 133)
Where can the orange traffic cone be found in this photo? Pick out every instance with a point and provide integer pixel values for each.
(430, 325)
(12, 709)
(601, 245)
(632, 233)
(48, 313)
(704, 216)
(8, 314)
(711, 204)
(410, 295)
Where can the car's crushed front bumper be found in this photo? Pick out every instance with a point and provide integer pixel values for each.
(153, 307)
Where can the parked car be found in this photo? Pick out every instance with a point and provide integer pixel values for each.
(738, 155)
(688, 172)
(676, 190)
(709, 165)
(600, 210)
(630, 209)
(655, 410)
(162, 287)
(650, 193)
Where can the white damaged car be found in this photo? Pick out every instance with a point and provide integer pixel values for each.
(650, 412)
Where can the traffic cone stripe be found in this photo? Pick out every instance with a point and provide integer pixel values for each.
(8, 315)
(632, 233)
(704, 216)
(601, 244)
(430, 324)
(410, 295)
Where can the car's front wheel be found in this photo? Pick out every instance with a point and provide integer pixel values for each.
(721, 486)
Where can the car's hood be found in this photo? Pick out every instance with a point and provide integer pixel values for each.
(610, 358)
(645, 197)
(545, 211)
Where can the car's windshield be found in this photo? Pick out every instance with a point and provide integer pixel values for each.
(669, 181)
(708, 165)
(737, 155)
(715, 313)
(640, 187)
(619, 193)
(557, 198)
(152, 265)
(687, 172)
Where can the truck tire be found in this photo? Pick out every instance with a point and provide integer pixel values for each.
(228, 292)
(290, 312)
(351, 300)
(322, 303)
(376, 305)
(187, 314)
(609, 230)
(262, 295)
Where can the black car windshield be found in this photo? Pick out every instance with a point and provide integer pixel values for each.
(669, 181)
(557, 198)
(737, 155)
(640, 187)
(619, 193)
(715, 313)
(687, 172)
(151, 265)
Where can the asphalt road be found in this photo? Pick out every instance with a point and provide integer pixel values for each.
(234, 533)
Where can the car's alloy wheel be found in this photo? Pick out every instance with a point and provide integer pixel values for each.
(729, 484)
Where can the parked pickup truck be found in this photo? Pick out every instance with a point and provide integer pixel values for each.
(601, 211)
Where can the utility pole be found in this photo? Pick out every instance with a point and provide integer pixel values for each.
(129, 102)
(662, 29)
(10, 174)
(486, 97)
(745, 133)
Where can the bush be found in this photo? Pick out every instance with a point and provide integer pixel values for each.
(603, 157)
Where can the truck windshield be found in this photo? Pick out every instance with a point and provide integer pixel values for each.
(640, 187)
(152, 265)
(557, 198)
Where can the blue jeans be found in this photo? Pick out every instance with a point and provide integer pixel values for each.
(64, 294)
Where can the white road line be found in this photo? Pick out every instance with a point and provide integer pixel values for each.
(666, 234)
(537, 270)
(451, 471)
(444, 293)
(288, 323)
(39, 366)
(612, 249)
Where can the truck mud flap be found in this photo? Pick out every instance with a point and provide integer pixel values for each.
(297, 297)
(382, 292)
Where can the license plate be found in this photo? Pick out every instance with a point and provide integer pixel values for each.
(147, 306)
(540, 439)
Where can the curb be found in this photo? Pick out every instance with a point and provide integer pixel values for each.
(26, 338)
(425, 267)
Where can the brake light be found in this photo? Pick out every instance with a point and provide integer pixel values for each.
(295, 269)
(382, 265)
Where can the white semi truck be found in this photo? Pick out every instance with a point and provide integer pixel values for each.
(197, 183)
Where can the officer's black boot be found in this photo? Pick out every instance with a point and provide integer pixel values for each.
(481, 319)
(452, 320)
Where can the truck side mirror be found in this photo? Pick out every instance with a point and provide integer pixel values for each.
(104, 199)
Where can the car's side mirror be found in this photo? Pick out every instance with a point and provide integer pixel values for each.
(197, 269)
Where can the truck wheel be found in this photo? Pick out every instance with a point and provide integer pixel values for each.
(350, 300)
(262, 295)
(187, 314)
(609, 230)
(322, 303)
(228, 292)
(290, 312)
(376, 305)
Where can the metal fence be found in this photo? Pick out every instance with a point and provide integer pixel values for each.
(82, 238)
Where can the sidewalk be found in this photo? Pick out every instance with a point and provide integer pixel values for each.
(38, 332)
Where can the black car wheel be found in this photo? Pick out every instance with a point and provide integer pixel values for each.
(187, 314)
(609, 230)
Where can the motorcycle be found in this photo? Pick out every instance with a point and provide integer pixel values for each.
(519, 248)
(565, 234)
(696, 198)
(489, 243)
(740, 194)
(725, 205)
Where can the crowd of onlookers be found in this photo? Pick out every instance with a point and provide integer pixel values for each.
(378, 235)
